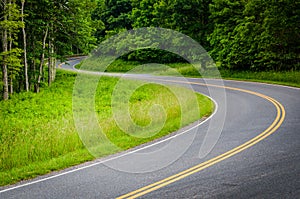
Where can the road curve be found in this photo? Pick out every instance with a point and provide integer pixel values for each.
(256, 155)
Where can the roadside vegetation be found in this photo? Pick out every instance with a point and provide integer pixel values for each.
(288, 78)
(250, 40)
(38, 135)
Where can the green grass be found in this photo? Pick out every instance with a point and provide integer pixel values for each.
(117, 66)
(38, 134)
(289, 78)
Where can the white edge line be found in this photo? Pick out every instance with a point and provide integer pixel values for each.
(122, 155)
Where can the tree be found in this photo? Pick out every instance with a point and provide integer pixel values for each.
(4, 25)
(279, 43)
(56, 29)
(9, 56)
(24, 47)
(256, 35)
(61, 28)
(225, 16)
(112, 16)
(189, 17)
(142, 13)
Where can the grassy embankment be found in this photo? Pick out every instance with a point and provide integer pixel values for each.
(38, 135)
(288, 78)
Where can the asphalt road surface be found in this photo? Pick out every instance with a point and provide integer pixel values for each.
(257, 154)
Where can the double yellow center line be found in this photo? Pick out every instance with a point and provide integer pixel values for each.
(271, 129)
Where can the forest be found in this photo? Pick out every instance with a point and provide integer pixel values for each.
(241, 35)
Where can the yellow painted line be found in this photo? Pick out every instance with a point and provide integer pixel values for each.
(271, 129)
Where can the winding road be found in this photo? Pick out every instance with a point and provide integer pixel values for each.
(257, 154)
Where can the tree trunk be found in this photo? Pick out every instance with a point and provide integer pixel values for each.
(53, 68)
(11, 83)
(25, 49)
(33, 68)
(4, 64)
(33, 74)
(50, 59)
(53, 62)
(37, 87)
(49, 68)
(11, 77)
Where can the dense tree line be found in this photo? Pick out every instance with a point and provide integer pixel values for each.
(254, 34)
(239, 34)
(34, 34)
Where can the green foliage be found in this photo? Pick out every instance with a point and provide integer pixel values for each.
(188, 17)
(114, 15)
(256, 35)
(14, 65)
(52, 29)
(243, 35)
(70, 24)
(142, 13)
(12, 23)
(10, 54)
(82, 26)
(225, 15)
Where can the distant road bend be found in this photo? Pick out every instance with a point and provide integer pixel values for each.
(256, 156)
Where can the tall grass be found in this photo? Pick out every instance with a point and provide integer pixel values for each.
(289, 78)
(38, 127)
(38, 135)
